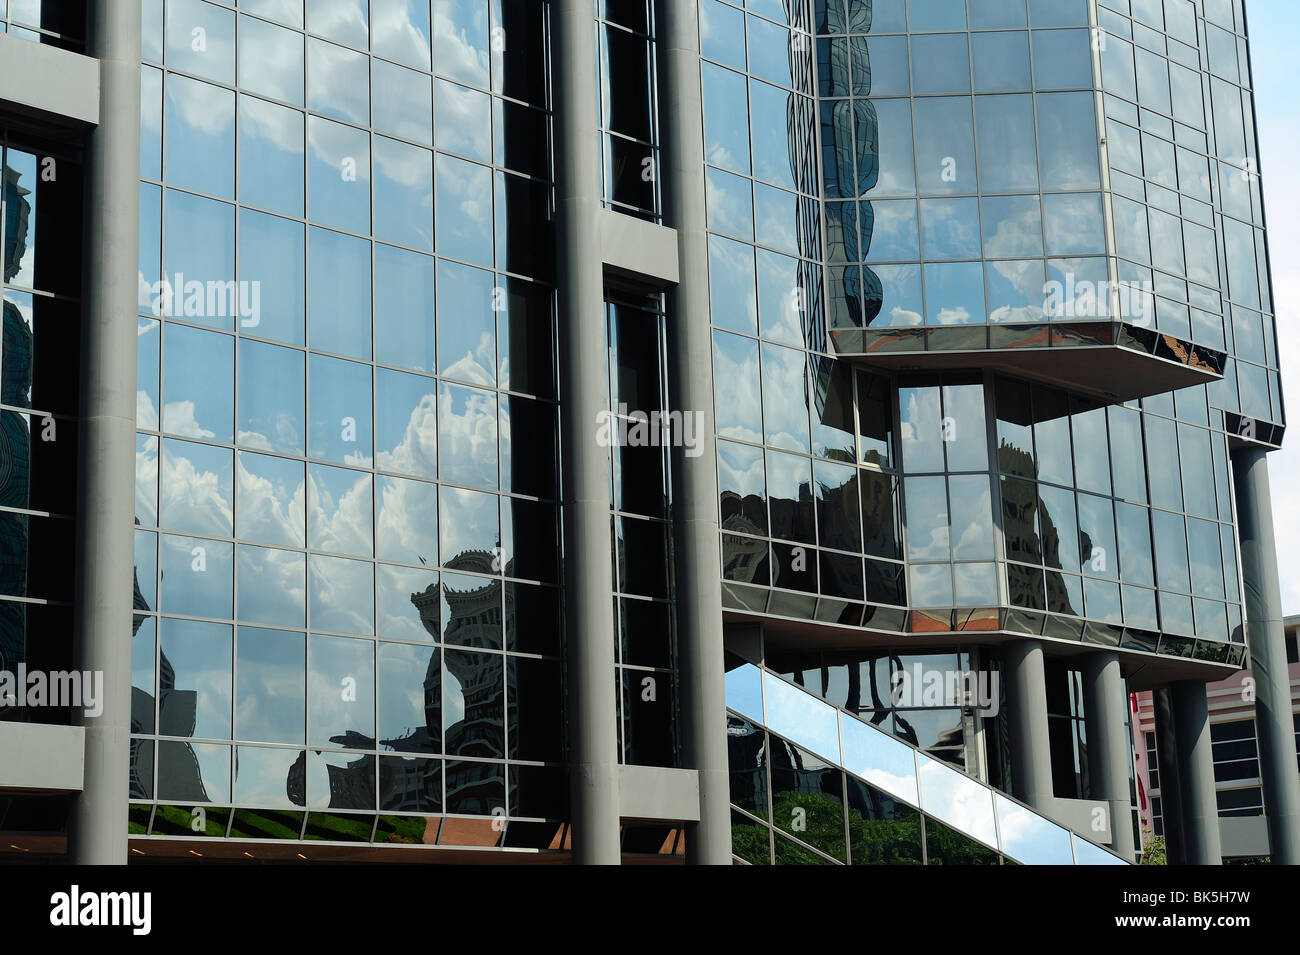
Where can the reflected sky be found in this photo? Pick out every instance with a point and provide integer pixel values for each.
(956, 799)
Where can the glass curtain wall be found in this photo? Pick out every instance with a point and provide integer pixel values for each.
(40, 292)
(347, 554)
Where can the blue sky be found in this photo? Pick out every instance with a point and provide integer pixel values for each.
(1274, 26)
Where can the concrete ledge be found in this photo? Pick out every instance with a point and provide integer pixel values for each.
(37, 756)
(638, 252)
(652, 793)
(1244, 835)
(44, 81)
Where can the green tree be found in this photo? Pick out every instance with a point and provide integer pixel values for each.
(1154, 852)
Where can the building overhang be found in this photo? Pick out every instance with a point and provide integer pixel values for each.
(1149, 660)
(638, 254)
(1113, 361)
(42, 82)
(41, 758)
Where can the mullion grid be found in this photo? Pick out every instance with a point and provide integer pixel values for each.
(608, 135)
(625, 598)
(1148, 506)
(503, 496)
(1216, 201)
(978, 192)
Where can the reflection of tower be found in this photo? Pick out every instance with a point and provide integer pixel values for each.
(850, 134)
(141, 710)
(746, 757)
(473, 616)
(424, 739)
(950, 746)
(295, 784)
(142, 751)
(179, 777)
(474, 619)
(427, 605)
(351, 785)
(413, 785)
(15, 429)
(17, 215)
(1022, 509)
(801, 134)
(137, 602)
(408, 783)
(745, 556)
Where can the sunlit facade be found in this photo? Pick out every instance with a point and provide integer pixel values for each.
(959, 317)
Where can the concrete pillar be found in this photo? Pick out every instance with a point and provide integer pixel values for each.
(588, 577)
(1031, 752)
(1109, 744)
(1171, 776)
(106, 485)
(695, 481)
(1268, 665)
(1200, 808)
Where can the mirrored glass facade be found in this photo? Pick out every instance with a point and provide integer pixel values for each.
(40, 214)
(56, 22)
(347, 492)
(960, 160)
(930, 348)
(811, 785)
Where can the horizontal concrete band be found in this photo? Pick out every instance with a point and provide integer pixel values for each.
(45, 81)
(41, 757)
(637, 251)
(649, 792)
(1244, 835)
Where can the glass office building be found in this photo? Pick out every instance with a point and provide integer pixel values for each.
(593, 430)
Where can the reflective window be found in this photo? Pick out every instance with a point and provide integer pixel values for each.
(341, 595)
(271, 392)
(945, 146)
(802, 718)
(270, 701)
(200, 141)
(197, 701)
(339, 293)
(272, 586)
(404, 308)
(1001, 61)
(404, 195)
(340, 692)
(339, 429)
(271, 60)
(956, 799)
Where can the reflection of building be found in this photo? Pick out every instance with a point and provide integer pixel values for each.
(179, 775)
(922, 451)
(1238, 768)
(15, 431)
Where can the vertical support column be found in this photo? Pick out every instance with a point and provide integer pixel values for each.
(695, 482)
(1171, 776)
(1268, 655)
(1031, 752)
(588, 579)
(1196, 762)
(106, 484)
(1109, 745)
